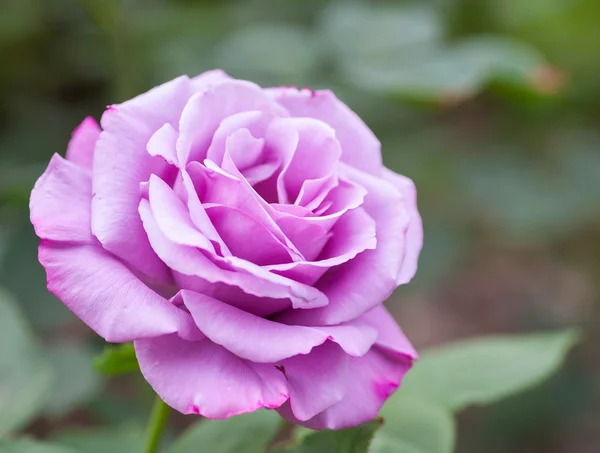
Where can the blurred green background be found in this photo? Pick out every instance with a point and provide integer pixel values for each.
(491, 106)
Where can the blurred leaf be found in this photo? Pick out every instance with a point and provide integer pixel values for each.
(25, 376)
(352, 440)
(269, 54)
(75, 381)
(360, 30)
(116, 360)
(247, 433)
(528, 201)
(19, 19)
(126, 439)
(486, 370)
(22, 275)
(413, 425)
(451, 74)
(30, 446)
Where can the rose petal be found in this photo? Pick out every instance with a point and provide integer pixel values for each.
(204, 378)
(245, 237)
(254, 121)
(360, 147)
(205, 110)
(121, 163)
(207, 79)
(199, 216)
(266, 341)
(414, 233)
(61, 201)
(252, 279)
(364, 282)
(354, 233)
(391, 337)
(217, 186)
(172, 217)
(315, 156)
(316, 381)
(107, 296)
(374, 377)
(163, 142)
(81, 147)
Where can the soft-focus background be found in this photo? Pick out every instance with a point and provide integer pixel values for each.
(492, 107)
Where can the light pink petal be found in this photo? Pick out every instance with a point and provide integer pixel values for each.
(414, 232)
(360, 147)
(205, 111)
(373, 378)
(261, 340)
(216, 186)
(244, 149)
(316, 155)
(204, 378)
(121, 163)
(354, 233)
(366, 281)
(107, 296)
(81, 147)
(254, 121)
(163, 142)
(173, 218)
(232, 271)
(207, 79)
(266, 341)
(308, 237)
(390, 337)
(245, 237)
(314, 191)
(60, 202)
(262, 306)
(344, 197)
(316, 381)
(199, 216)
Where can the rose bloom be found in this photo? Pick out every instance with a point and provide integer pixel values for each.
(244, 239)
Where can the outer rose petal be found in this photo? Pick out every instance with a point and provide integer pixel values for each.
(266, 341)
(209, 78)
(122, 162)
(374, 377)
(110, 299)
(81, 147)
(317, 381)
(360, 147)
(60, 202)
(391, 337)
(414, 233)
(204, 378)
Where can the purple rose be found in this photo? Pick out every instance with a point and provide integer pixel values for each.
(244, 239)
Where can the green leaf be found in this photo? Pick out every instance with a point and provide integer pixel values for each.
(357, 30)
(414, 425)
(25, 376)
(25, 278)
(486, 370)
(116, 360)
(248, 433)
(269, 54)
(30, 446)
(75, 380)
(126, 439)
(352, 440)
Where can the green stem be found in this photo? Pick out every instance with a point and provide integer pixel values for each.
(156, 425)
